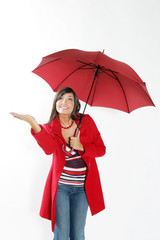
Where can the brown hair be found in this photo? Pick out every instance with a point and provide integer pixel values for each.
(59, 94)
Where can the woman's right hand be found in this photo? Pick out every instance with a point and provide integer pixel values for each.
(28, 118)
(25, 117)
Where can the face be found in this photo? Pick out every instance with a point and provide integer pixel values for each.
(65, 104)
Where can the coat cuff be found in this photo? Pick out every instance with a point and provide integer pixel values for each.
(38, 135)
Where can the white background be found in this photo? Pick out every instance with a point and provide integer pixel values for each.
(129, 31)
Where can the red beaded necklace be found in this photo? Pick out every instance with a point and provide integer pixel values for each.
(69, 126)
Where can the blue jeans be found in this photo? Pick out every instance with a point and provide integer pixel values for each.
(71, 212)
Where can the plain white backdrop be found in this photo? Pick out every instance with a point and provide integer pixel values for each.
(129, 31)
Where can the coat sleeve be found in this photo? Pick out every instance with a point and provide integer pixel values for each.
(45, 139)
(96, 147)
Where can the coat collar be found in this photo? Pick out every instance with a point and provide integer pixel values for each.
(56, 126)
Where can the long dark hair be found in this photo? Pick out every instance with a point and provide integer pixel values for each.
(59, 94)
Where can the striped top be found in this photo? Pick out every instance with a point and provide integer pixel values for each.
(75, 169)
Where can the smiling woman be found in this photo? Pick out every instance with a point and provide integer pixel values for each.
(65, 94)
(73, 181)
(65, 104)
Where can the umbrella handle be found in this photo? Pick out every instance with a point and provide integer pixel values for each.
(75, 135)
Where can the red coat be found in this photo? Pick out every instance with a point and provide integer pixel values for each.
(50, 140)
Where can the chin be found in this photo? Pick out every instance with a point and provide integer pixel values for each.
(65, 113)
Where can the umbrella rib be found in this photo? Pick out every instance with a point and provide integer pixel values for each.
(105, 71)
(147, 94)
(81, 67)
(122, 90)
(115, 77)
(102, 69)
(47, 63)
(85, 64)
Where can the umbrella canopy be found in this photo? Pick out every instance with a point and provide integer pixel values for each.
(111, 83)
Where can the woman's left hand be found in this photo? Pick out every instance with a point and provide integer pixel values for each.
(76, 144)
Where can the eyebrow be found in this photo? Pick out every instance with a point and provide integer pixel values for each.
(70, 96)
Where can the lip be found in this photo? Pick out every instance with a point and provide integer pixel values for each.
(64, 107)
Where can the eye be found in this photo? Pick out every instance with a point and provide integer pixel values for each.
(70, 99)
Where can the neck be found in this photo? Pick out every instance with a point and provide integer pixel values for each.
(65, 120)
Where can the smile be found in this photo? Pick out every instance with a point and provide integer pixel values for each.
(65, 108)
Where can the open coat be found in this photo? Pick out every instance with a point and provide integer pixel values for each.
(50, 140)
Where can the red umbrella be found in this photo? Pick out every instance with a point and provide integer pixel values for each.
(96, 79)
(114, 83)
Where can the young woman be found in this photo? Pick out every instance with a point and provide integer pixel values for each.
(73, 181)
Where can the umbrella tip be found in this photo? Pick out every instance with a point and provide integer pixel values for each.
(103, 50)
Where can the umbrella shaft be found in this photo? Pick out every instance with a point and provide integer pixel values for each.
(95, 75)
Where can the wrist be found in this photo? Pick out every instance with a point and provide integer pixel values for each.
(35, 126)
(32, 122)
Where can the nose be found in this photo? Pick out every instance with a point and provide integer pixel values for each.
(64, 101)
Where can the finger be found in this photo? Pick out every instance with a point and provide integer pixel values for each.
(13, 114)
(16, 115)
(72, 141)
(72, 144)
(74, 138)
